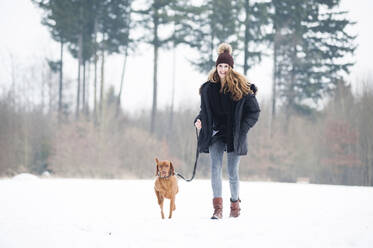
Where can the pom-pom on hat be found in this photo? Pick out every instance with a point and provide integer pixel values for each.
(225, 54)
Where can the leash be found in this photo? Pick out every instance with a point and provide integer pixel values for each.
(195, 164)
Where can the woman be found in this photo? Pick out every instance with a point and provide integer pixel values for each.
(228, 110)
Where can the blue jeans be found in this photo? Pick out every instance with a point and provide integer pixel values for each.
(216, 151)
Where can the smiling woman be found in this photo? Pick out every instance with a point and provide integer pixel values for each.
(222, 70)
(228, 110)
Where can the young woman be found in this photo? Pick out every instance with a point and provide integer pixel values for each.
(228, 110)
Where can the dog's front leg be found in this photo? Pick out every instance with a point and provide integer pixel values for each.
(172, 206)
(161, 205)
(160, 202)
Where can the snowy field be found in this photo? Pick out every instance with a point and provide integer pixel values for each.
(67, 213)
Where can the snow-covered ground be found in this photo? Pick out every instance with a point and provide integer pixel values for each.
(82, 213)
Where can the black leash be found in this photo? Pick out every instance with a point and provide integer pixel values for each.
(195, 164)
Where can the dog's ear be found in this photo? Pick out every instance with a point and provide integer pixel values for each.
(157, 170)
(172, 169)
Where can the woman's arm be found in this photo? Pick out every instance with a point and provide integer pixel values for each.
(250, 113)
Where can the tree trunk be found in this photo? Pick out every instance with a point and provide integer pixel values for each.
(212, 48)
(88, 89)
(291, 91)
(79, 66)
(60, 83)
(102, 83)
(274, 85)
(84, 89)
(155, 71)
(121, 82)
(246, 42)
(50, 95)
(95, 75)
(43, 89)
(95, 90)
(172, 93)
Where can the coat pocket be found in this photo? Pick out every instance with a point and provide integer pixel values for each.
(242, 143)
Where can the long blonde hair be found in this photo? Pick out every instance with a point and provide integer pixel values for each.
(234, 82)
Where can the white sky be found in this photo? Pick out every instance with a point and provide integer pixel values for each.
(24, 41)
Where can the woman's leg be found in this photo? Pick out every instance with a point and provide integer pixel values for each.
(234, 180)
(216, 151)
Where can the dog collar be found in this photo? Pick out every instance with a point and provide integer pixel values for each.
(159, 175)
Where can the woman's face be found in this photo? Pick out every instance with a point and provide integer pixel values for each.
(222, 70)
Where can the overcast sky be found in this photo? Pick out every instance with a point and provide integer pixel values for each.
(24, 41)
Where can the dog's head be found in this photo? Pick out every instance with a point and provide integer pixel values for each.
(164, 168)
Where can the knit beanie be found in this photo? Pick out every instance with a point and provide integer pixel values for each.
(225, 51)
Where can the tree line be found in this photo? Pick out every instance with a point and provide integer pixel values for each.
(330, 146)
(309, 40)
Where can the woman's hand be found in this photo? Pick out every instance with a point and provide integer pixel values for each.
(198, 124)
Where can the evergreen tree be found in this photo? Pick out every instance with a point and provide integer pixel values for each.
(310, 39)
(155, 18)
(242, 24)
(88, 26)
(255, 25)
(69, 23)
(114, 25)
(59, 18)
(214, 22)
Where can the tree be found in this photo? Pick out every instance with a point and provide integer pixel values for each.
(214, 22)
(125, 42)
(157, 15)
(60, 23)
(114, 24)
(310, 39)
(255, 24)
(69, 23)
(88, 26)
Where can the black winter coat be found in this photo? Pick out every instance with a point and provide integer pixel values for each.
(245, 116)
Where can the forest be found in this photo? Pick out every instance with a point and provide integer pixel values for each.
(314, 128)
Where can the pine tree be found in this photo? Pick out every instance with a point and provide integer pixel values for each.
(217, 23)
(156, 17)
(310, 40)
(255, 25)
(208, 25)
(69, 24)
(88, 26)
(114, 24)
(59, 21)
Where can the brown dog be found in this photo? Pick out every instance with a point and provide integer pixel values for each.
(166, 185)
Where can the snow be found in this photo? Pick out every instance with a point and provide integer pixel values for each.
(124, 213)
(25, 177)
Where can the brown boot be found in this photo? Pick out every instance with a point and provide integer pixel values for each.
(235, 208)
(218, 208)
